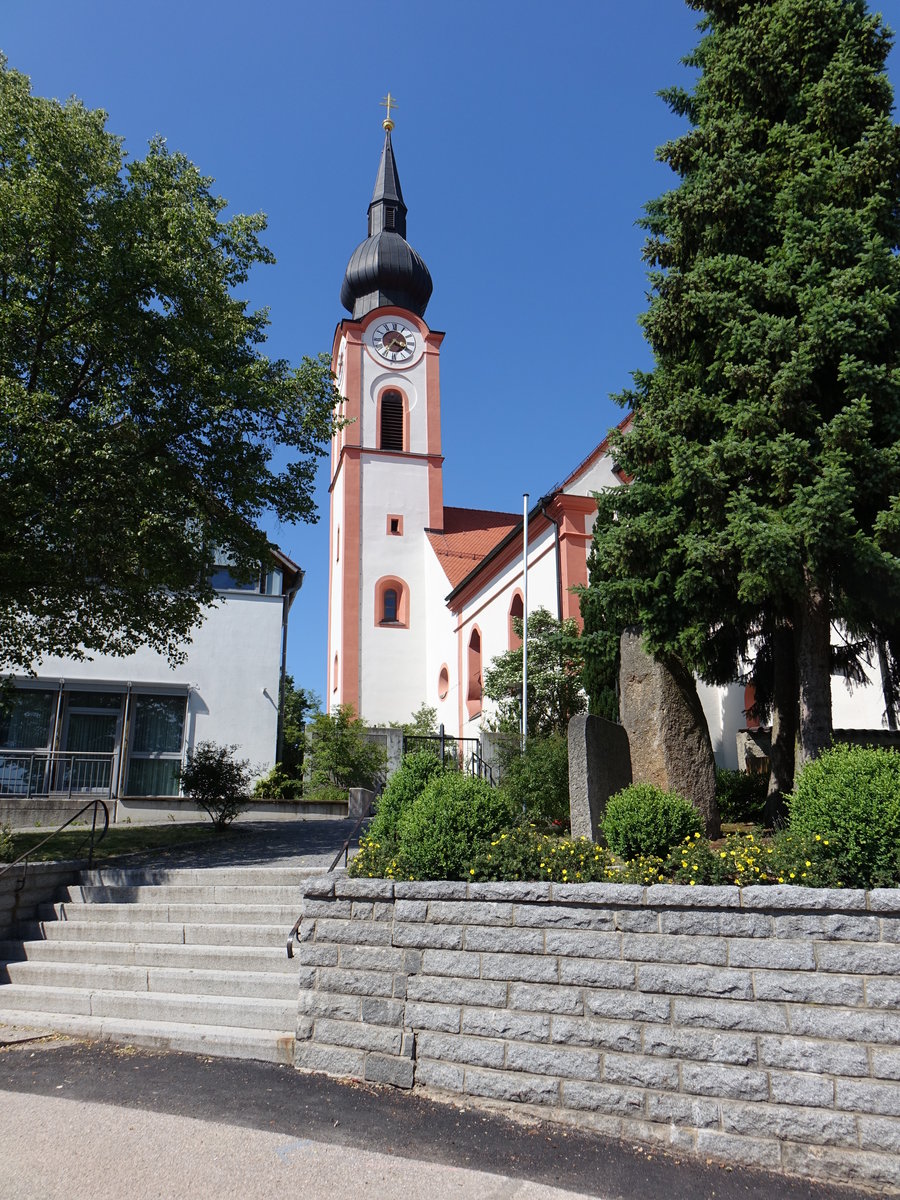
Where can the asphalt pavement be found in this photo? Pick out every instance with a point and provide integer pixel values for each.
(102, 1122)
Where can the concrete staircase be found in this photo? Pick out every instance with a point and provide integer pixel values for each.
(187, 959)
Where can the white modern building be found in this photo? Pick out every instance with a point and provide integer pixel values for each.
(422, 595)
(123, 726)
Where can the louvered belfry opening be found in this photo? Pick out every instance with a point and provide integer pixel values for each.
(391, 421)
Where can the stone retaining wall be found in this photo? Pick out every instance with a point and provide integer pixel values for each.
(757, 1025)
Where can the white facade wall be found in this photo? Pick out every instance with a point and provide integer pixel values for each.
(489, 610)
(232, 669)
(442, 645)
(392, 658)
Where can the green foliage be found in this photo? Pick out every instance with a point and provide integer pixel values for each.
(216, 781)
(405, 786)
(439, 831)
(143, 428)
(277, 784)
(555, 666)
(537, 782)
(524, 853)
(7, 844)
(847, 803)
(298, 706)
(740, 795)
(763, 450)
(340, 753)
(421, 723)
(644, 820)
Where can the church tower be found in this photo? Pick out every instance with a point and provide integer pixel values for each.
(386, 486)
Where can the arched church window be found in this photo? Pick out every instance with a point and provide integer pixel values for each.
(443, 683)
(473, 691)
(391, 603)
(517, 610)
(334, 680)
(391, 421)
(390, 606)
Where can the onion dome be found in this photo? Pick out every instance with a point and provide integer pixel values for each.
(384, 269)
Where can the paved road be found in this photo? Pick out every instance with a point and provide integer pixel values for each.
(311, 842)
(92, 1121)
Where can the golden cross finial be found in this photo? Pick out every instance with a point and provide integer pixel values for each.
(388, 102)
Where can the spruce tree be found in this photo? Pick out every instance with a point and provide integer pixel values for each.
(765, 448)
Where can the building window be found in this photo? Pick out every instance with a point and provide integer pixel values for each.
(443, 683)
(473, 692)
(391, 603)
(26, 719)
(395, 526)
(157, 738)
(334, 675)
(337, 545)
(516, 610)
(391, 429)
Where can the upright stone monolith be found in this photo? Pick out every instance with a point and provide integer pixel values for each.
(667, 732)
(599, 766)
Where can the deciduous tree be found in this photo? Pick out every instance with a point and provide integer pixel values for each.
(141, 423)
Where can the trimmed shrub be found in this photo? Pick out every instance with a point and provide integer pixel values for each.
(7, 846)
(406, 785)
(847, 802)
(537, 782)
(644, 820)
(443, 829)
(741, 796)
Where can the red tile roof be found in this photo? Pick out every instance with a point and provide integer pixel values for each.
(468, 535)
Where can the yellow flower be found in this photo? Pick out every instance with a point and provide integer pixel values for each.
(693, 881)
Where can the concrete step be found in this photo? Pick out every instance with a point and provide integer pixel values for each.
(280, 915)
(271, 959)
(262, 985)
(220, 934)
(284, 876)
(263, 1045)
(164, 893)
(245, 1012)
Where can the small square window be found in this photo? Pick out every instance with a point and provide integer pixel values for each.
(395, 526)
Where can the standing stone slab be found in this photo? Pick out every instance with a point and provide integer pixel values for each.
(599, 766)
(666, 727)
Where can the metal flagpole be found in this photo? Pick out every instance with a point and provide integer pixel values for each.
(524, 620)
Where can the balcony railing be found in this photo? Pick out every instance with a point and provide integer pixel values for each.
(55, 773)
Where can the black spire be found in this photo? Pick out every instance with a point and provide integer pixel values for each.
(387, 210)
(384, 269)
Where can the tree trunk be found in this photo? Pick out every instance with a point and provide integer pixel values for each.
(813, 648)
(784, 724)
(888, 689)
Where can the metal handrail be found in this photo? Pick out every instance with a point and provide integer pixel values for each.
(345, 850)
(23, 858)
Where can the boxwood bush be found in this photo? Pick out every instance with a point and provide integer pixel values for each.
(643, 820)
(537, 781)
(847, 801)
(441, 831)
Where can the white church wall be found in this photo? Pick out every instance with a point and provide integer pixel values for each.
(489, 610)
(233, 669)
(392, 658)
(443, 646)
(333, 695)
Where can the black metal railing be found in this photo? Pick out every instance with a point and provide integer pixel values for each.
(57, 773)
(462, 753)
(90, 837)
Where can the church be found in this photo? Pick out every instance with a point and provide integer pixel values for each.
(422, 595)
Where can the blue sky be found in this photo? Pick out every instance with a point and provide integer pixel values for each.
(525, 139)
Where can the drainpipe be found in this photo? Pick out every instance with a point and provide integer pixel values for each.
(286, 602)
(553, 521)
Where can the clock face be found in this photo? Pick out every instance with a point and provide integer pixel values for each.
(394, 341)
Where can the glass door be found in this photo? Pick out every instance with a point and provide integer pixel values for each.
(90, 743)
